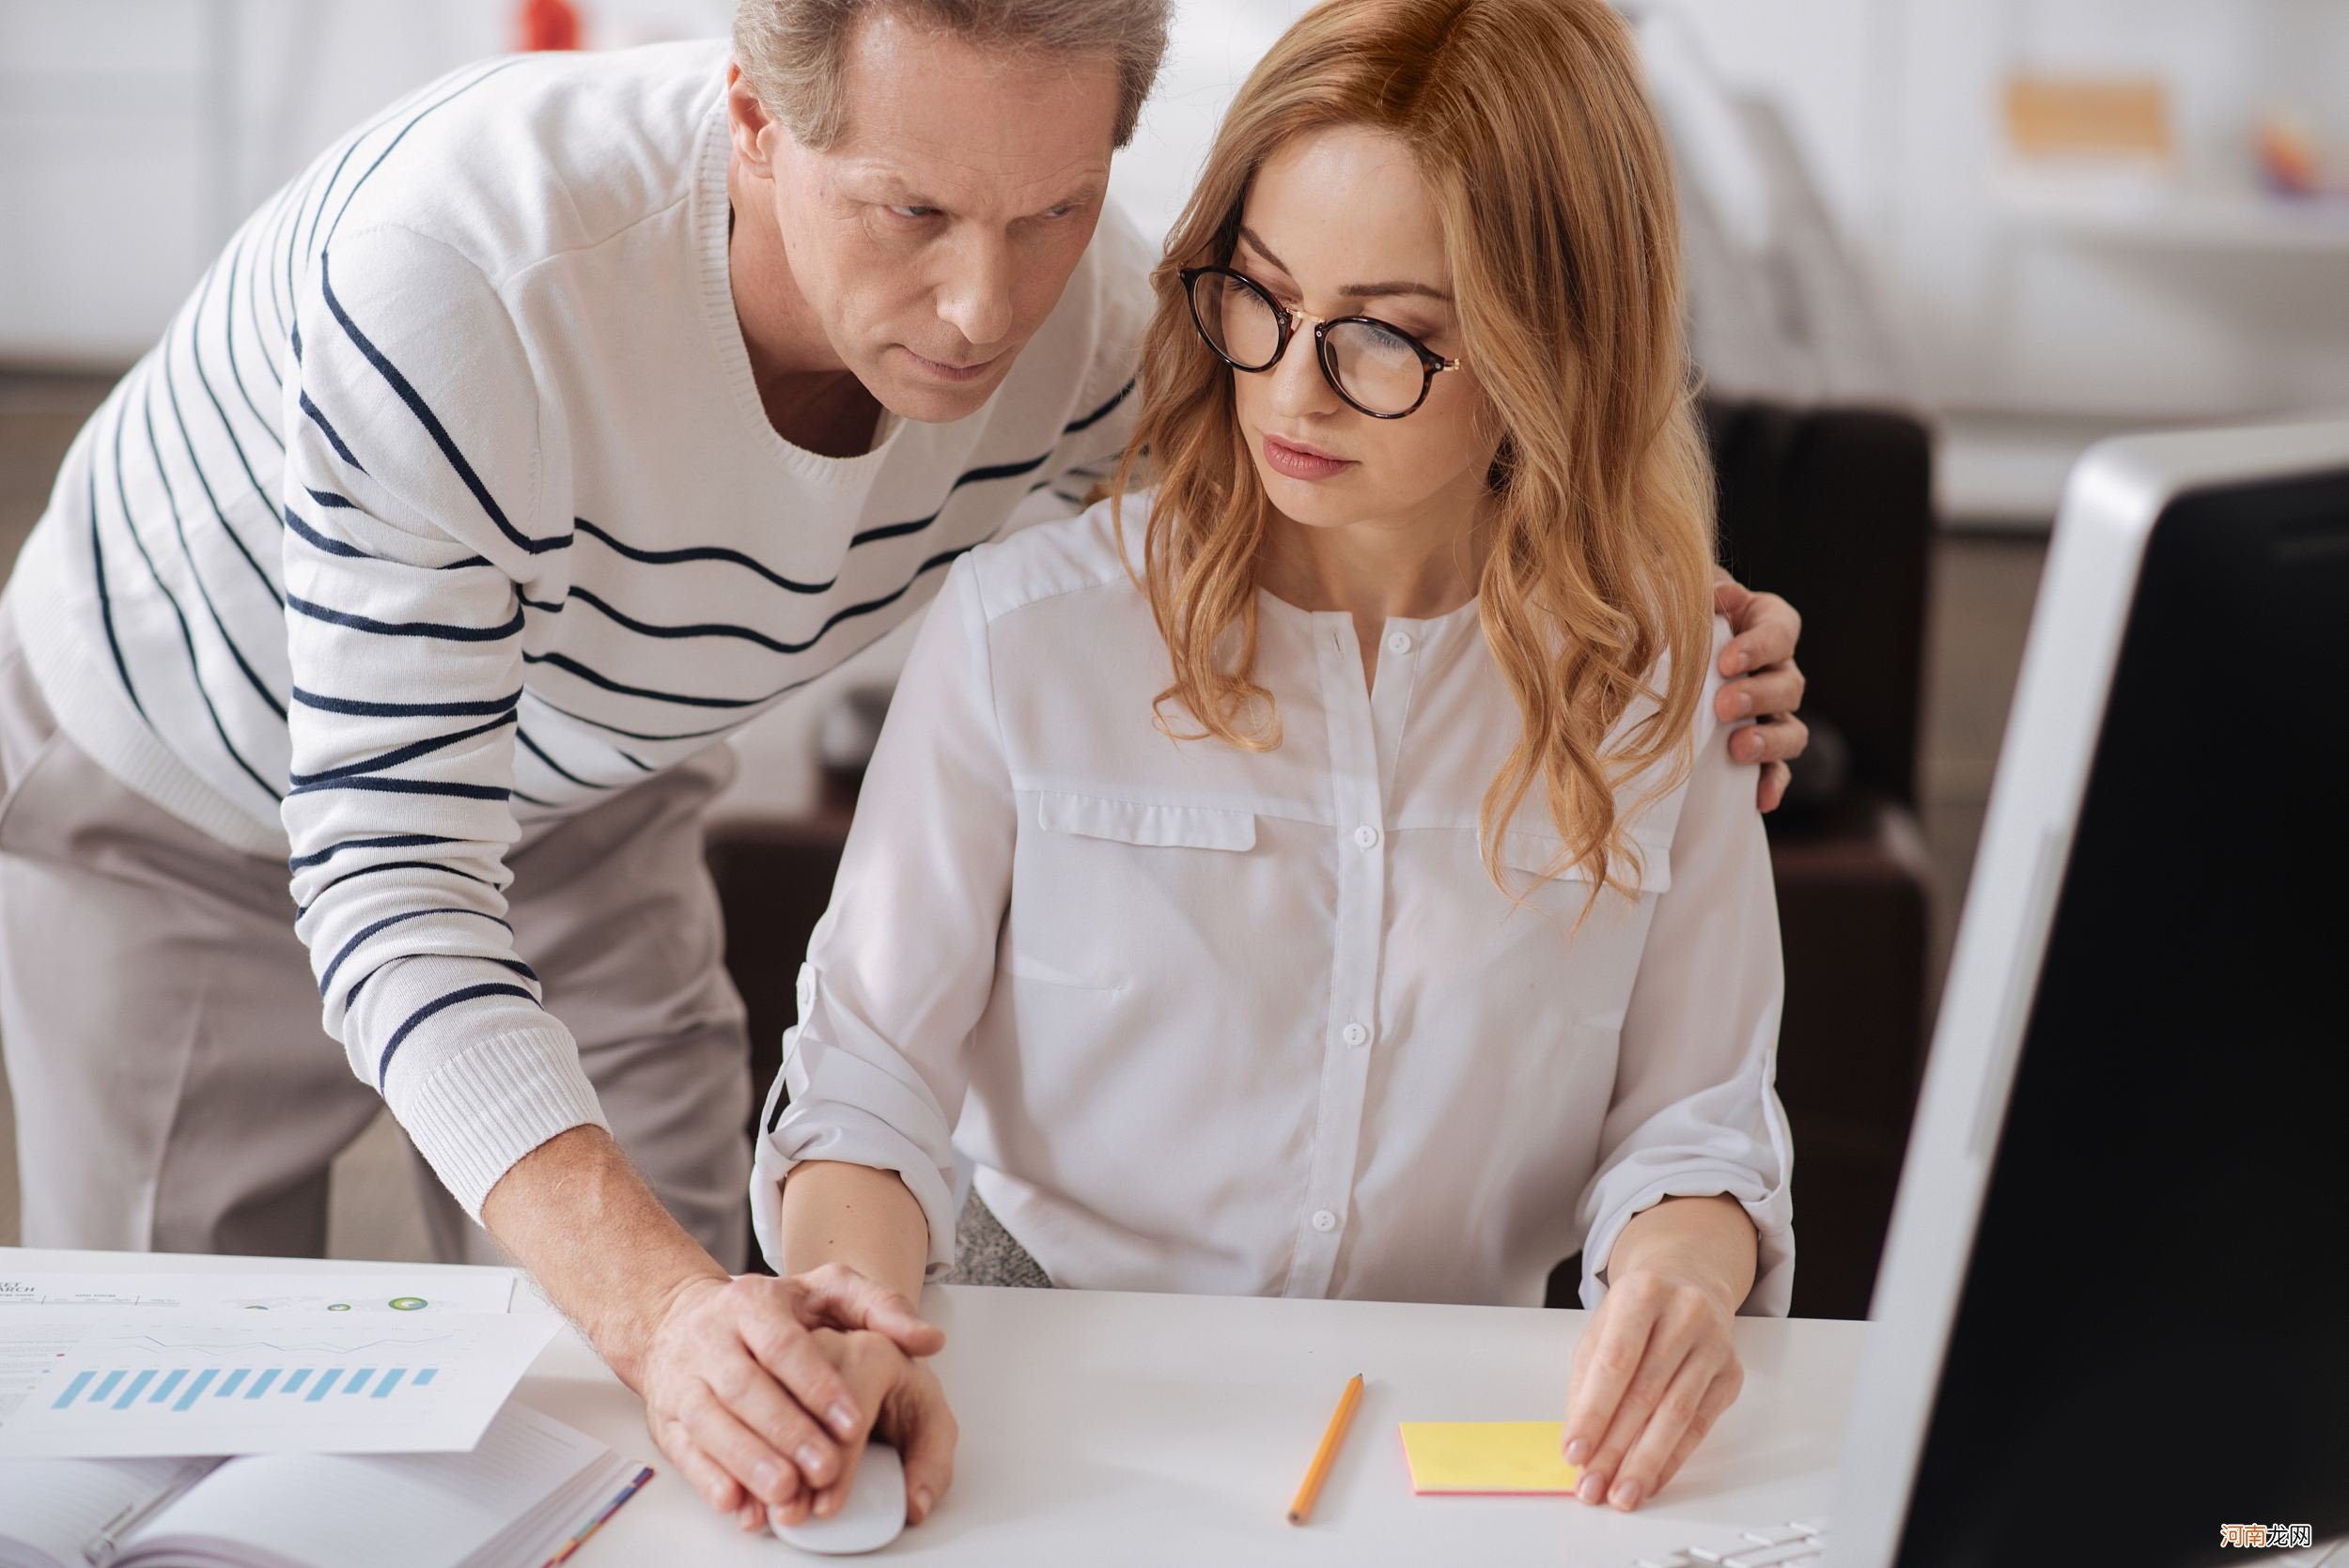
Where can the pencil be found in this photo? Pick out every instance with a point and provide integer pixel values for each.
(1327, 1454)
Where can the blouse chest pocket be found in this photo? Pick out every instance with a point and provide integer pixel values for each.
(1144, 823)
(1584, 973)
(1536, 853)
(1109, 892)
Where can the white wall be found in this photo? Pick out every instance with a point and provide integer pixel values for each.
(106, 176)
(1897, 100)
(1828, 66)
(135, 134)
(2020, 313)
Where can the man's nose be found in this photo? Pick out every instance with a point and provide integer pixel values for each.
(975, 297)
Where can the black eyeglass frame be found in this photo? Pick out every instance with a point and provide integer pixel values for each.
(1431, 364)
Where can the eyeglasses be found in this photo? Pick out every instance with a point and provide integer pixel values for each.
(1379, 369)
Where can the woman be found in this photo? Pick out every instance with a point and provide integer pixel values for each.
(1322, 874)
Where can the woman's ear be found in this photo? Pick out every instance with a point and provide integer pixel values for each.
(749, 125)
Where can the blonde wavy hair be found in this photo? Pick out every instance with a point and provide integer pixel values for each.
(1555, 195)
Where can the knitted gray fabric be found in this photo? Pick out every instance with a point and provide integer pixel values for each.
(987, 1254)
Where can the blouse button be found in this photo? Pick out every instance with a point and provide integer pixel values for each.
(1325, 1221)
(1355, 1034)
(1367, 837)
(1399, 642)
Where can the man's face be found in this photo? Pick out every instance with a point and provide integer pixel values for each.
(931, 241)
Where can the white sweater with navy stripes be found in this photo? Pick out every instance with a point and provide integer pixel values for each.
(448, 506)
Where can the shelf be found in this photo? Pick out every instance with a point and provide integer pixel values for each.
(2245, 222)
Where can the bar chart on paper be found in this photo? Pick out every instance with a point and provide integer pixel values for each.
(208, 1383)
(190, 1384)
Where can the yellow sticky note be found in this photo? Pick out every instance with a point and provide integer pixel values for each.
(1488, 1456)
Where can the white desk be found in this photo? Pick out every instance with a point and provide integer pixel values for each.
(1110, 1428)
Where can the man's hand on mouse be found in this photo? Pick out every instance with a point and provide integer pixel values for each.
(907, 1409)
(748, 1388)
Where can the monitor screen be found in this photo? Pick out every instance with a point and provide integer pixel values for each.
(2152, 1338)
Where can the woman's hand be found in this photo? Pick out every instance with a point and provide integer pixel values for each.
(1762, 682)
(908, 1408)
(741, 1392)
(1653, 1371)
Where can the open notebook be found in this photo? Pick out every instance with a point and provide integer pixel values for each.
(515, 1501)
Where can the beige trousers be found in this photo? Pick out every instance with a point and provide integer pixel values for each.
(174, 1089)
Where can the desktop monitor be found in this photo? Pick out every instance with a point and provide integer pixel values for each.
(2114, 1316)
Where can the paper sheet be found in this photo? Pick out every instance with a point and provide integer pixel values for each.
(1488, 1456)
(135, 1381)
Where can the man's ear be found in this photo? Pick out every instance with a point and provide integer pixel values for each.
(749, 125)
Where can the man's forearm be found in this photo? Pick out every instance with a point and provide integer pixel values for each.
(834, 1212)
(1711, 1239)
(576, 1213)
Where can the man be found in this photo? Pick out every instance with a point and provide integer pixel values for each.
(543, 433)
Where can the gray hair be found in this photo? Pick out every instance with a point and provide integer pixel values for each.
(791, 51)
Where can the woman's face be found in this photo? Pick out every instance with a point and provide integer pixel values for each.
(1338, 223)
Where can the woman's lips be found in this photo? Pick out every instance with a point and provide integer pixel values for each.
(1299, 464)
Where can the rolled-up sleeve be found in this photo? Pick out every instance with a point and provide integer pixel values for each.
(1695, 1111)
(902, 964)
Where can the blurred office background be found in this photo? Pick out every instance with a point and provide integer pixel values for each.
(1936, 248)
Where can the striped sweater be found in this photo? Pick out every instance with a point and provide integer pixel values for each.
(448, 506)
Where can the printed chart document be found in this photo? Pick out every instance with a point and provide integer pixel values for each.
(534, 1486)
(131, 1382)
(482, 1290)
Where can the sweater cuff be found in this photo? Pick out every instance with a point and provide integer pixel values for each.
(478, 1112)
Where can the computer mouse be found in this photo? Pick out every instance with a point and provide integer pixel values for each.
(871, 1517)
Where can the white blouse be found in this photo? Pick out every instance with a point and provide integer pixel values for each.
(1207, 1020)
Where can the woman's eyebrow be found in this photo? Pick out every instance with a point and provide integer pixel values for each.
(1352, 290)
